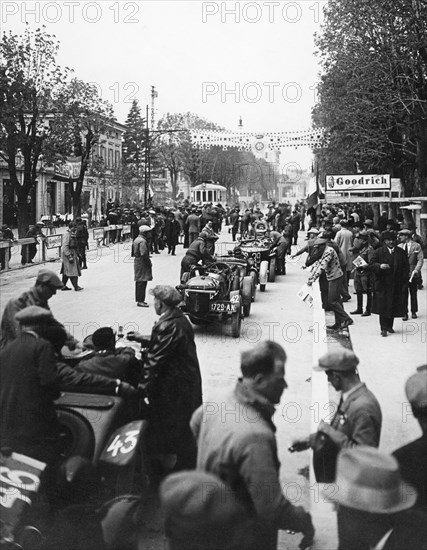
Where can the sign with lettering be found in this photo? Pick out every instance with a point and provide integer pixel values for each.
(98, 233)
(70, 169)
(357, 182)
(53, 241)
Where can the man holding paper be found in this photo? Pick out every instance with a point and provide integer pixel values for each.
(416, 259)
(363, 252)
(330, 265)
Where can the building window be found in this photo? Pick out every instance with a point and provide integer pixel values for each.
(110, 158)
(117, 159)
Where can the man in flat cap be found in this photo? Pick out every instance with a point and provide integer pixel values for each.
(198, 250)
(142, 265)
(416, 260)
(171, 378)
(46, 285)
(358, 418)
(241, 448)
(28, 422)
(390, 266)
(332, 264)
(412, 458)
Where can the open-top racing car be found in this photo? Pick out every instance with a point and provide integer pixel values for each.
(214, 292)
(263, 257)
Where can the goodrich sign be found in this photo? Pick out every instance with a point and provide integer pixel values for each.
(358, 182)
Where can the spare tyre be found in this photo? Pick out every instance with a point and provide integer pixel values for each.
(76, 436)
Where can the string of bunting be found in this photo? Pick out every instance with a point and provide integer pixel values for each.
(247, 141)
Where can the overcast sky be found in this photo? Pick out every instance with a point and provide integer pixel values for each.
(194, 52)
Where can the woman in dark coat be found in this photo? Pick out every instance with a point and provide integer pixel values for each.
(390, 266)
(172, 380)
(172, 232)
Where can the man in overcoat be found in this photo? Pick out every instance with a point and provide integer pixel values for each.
(172, 232)
(390, 266)
(142, 265)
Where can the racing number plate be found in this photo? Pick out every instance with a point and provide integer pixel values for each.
(123, 444)
(223, 307)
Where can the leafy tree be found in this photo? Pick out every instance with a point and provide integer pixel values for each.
(30, 81)
(81, 116)
(134, 143)
(173, 148)
(373, 90)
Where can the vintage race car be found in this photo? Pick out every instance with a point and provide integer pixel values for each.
(263, 257)
(215, 293)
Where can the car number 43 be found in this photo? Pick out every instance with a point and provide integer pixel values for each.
(123, 443)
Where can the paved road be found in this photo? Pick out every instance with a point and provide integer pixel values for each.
(108, 299)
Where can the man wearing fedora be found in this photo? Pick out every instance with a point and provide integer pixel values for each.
(412, 458)
(375, 504)
(202, 513)
(390, 266)
(416, 259)
(358, 417)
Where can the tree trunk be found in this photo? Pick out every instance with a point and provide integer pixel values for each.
(174, 179)
(376, 209)
(77, 206)
(423, 226)
(408, 217)
(76, 193)
(24, 218)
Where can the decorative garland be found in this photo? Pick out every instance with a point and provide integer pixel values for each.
(244, 141)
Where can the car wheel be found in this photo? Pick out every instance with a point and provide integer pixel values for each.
(75, 435)
(236, 283)
(263, 275)
(253, 277)
(247, 295)
(272, 271)
(197, 321)
(236, 320)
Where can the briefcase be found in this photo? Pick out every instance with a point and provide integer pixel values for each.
(325, 453)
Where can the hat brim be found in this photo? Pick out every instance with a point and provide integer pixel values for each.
(366, 499)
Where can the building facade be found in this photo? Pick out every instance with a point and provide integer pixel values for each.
(52, 194)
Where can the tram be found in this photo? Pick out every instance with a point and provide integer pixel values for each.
(208, 191)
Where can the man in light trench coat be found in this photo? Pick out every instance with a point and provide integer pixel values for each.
(142, 265)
